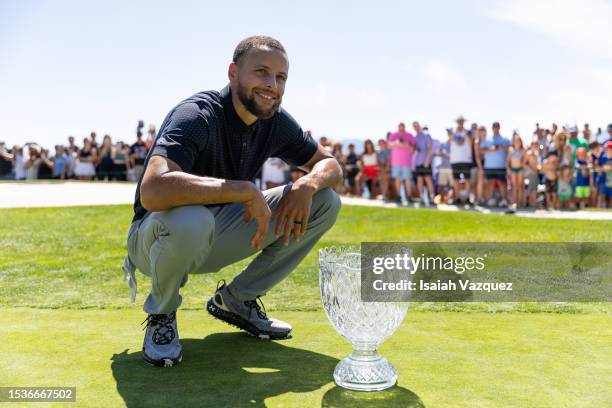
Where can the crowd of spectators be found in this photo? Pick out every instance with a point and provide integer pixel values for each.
(559, 168)
(104, 160)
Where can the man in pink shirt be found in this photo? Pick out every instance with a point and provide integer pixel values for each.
(402, 148)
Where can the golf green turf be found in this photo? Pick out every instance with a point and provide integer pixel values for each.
(443, 359)
(71, 257)
(68, 322)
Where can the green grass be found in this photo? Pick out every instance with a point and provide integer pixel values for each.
(71, 257)
(69, 322)
(443, 360)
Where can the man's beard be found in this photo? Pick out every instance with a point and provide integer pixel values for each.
(253, 107)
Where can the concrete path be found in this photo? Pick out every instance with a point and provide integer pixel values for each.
(60, 194)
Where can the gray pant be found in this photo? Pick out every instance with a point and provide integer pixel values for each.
(169, 245)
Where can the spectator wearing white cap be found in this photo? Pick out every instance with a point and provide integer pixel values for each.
(574, 140)
(461, 162)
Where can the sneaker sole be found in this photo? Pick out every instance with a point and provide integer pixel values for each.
(164, 362)
(237, 321)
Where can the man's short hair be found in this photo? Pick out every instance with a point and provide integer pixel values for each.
(256, 41)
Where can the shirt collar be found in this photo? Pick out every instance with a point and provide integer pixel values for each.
(232, 116)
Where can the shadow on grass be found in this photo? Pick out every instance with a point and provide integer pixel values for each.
(223, 369)
(393, 397)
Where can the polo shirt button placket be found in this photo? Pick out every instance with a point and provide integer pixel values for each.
(242, 154)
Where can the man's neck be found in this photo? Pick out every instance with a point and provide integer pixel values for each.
(247, 117)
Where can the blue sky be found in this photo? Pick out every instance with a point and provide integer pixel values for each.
(357, 68)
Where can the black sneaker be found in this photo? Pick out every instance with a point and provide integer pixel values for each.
(246, 315)
(161, 345)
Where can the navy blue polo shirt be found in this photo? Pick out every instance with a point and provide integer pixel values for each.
(205, 136)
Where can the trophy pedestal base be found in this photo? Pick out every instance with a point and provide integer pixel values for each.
(365, 371)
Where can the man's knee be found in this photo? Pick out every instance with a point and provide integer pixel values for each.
(326, 204)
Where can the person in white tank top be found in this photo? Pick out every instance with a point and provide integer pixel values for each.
(461, 152)
(370, 159)
(369, 170)
(461, 163)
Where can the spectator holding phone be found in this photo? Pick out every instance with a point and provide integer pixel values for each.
(33, 163)
(6, 163)
(106, 160)
(402, 146)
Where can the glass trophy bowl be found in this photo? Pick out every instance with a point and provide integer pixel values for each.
(364, 324)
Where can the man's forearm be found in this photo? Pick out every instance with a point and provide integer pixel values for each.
(176, 188)
(325, 173)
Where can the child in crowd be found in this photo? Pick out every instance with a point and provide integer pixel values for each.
(564, 190)
(59, 161)
(532, 172)
(596, 151)
(549, 167)
(605, 163)
(583, 177)
(515, 163)
(445, 173)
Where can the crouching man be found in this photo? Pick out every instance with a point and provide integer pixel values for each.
(197, 209)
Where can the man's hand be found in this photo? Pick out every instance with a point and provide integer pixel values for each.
(257, 209)
(293, 211)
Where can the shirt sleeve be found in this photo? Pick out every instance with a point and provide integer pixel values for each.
(294, 145)
(184, 135)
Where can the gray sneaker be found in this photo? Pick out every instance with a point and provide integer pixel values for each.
(161, 345)
(246, 315)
